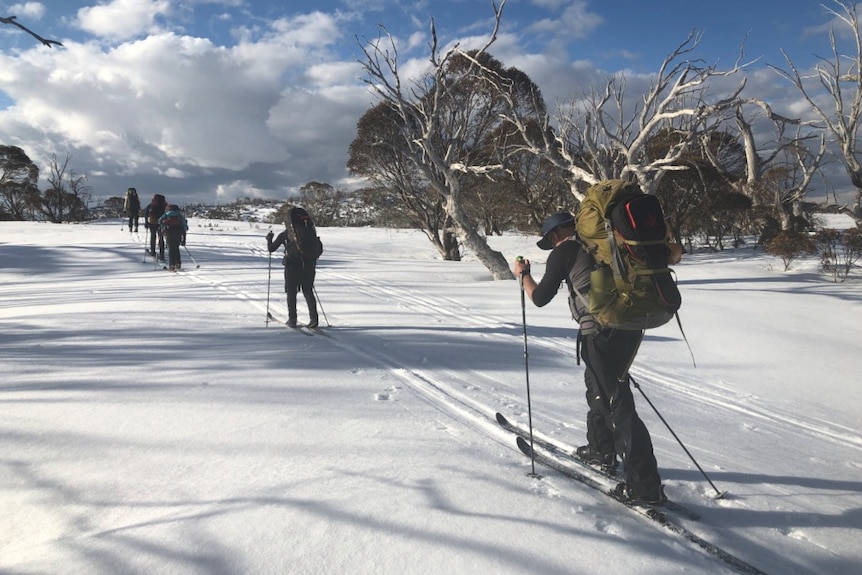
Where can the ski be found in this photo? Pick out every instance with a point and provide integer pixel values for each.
(570, 457)
(297, 328)
(653, 514)
(315, 331)
(552, 447)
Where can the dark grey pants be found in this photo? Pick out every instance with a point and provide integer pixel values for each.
(613, 424)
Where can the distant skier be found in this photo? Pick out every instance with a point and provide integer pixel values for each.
(154, 210)
(173, 227)
(613, 425)
(132, 207)
(302, 248)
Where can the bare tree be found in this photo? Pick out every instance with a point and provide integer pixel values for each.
(65, 198)
(787, 154)
(601, 136)
(80, 192)
(839, 78)
(445, 115)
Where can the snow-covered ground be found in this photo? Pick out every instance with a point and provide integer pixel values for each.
(153, 422)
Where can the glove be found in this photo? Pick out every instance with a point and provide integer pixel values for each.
(269, 237)
(146, 225)
(183, 242)
(588, 325)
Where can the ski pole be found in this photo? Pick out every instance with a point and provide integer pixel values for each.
(197, 265)
(718, 494)
(320, 305)
(527, 374)
(268, 276)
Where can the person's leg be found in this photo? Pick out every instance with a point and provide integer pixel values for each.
(173, 249)
(616, 349)
(291, 286)
(600, 437)
(307, 285)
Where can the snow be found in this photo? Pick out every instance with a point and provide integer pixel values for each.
(153, 422)
(835, 221)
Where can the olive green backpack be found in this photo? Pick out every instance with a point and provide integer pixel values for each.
(631, 287)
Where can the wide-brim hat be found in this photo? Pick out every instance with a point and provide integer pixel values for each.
(550, 224)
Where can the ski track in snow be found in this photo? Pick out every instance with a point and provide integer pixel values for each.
(473, 397)
(493, 395)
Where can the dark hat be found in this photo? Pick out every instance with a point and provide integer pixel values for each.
(551, 223)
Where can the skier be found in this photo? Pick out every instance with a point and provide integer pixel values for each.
(613, 425)
(299, 269)
(173, 228)
(132, 207)
(152, 213)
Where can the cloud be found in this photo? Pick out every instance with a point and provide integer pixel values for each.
(184, 107)
(574, 21)
(30, 10)
(122, 19)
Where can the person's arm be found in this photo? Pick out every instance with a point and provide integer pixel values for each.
(543, 291)
(273, 245)
(557, 267)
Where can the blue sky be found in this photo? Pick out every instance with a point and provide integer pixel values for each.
(209, 100)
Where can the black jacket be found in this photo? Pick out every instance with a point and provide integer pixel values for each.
(567, 260)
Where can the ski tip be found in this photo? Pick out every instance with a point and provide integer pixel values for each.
(502, 418)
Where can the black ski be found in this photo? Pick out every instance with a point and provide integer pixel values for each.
(653, 514)
(570, 457)
(552, 447)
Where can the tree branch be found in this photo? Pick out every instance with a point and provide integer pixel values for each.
(11, 20)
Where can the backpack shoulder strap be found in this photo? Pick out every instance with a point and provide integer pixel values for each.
(573, 280)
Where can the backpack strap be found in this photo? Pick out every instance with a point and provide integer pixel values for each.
(573, 282)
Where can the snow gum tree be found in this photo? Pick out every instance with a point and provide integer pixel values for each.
(18, 177)
(446, 116)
